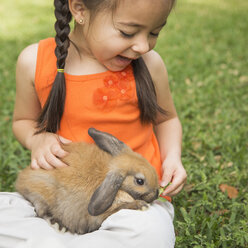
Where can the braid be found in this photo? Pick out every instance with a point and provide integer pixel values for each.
(62, 27)
(50, 117)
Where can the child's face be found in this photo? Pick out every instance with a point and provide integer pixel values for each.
(115, 39)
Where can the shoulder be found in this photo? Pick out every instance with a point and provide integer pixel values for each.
(26, 63)
(28, 54)
(34, 55)
(153, 59)
(156, 67)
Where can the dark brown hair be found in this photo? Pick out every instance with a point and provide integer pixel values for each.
(50, 117)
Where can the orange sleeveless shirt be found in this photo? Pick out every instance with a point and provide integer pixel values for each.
(106, 101)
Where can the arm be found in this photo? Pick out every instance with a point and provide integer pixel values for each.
(44, 147)
(169, 135)
(168, 128)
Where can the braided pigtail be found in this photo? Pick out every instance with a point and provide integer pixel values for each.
(147, 98)
(50, 117)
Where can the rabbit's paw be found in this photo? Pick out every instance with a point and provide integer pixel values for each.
(40, 206)
(138, 205)
(55, 224)
(144, 208)
(143, 205)
(59, 228)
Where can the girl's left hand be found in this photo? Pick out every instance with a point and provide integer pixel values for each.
(173, 173)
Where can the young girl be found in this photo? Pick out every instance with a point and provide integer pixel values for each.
(103, 74)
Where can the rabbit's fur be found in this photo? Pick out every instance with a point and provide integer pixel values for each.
(101, 179)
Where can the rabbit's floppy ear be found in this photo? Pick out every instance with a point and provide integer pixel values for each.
(105, 194)
(106, 141)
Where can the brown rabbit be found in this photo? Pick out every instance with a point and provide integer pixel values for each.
(100, 180)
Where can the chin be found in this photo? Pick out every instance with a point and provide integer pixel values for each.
(116, 65)
(115, 68)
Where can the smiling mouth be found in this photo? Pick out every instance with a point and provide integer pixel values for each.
(125, 58)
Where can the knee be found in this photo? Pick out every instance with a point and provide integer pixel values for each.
(14, 205)
(149, 228)
(155, 227)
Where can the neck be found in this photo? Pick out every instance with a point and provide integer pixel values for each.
(80, 60)
(79, 42)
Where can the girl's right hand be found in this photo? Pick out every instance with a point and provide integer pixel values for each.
(46, 151)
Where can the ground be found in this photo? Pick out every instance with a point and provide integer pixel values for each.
(204, 46)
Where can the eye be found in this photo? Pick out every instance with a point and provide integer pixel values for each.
(126, 35)
(155, 35)
(140, 181)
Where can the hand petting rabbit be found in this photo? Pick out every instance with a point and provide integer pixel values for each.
(101, 179)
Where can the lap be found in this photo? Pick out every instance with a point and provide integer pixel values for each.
(19, 226)
(126, 228)
(149, 228)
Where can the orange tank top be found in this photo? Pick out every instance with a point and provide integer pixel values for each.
(106, 101)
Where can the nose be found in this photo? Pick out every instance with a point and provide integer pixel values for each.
(141, 45)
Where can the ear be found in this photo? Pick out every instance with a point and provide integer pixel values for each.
(77, 9)
(105, 194)
(107, 142)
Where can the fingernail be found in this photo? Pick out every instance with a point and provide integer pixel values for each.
(163, 184)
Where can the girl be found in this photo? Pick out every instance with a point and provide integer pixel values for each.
(103, 74)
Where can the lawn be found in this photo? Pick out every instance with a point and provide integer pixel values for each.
(204, 46)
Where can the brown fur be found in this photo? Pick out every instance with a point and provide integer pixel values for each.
(95, 181)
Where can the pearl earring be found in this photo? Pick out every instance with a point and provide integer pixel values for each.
(81, 21)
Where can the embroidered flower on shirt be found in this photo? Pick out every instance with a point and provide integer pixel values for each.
(117, 87)
(105, 98)
(126, 90)
(110, 81)
(124, 75)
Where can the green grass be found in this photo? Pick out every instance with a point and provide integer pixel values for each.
(204, 47)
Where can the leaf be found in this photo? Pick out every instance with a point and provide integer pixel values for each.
(196, 145)
(188, 81)
(232, 192)
(234, 72)
(243, 79)
(162, 199)
(217, 157)
(222, 211)
(189, 187)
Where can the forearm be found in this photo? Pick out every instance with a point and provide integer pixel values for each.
(24, 131)
(169, 136)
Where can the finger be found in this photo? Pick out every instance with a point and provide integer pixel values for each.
(175, 192)
(167, 177)
(58, 151)
(34, 164)
(54, 161)
(64, 140)
(177, 182)
(44, 164)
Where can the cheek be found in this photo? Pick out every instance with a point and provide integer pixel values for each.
(111, 48)
(152, 43)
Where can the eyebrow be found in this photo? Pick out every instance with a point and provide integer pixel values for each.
(133, 24)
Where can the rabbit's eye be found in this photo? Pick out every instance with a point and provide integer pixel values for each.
(140, 181)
